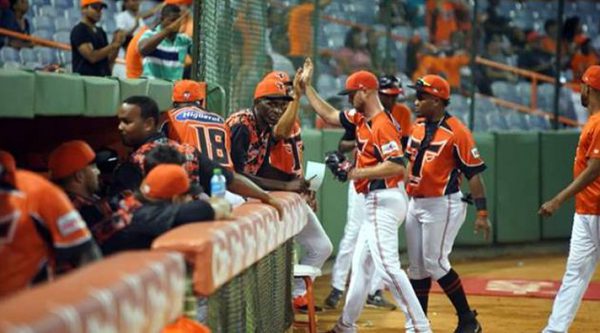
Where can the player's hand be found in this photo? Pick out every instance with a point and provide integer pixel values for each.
(176, 25)
(549, 207)
(221, 207)
(298, 87)
(483, 224)
(311, 199)
(307, 73)
(271, 201)
(297, 185)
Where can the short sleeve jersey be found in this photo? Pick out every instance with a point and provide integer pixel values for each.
(202, 129)
(587, 202)
(83, 34)
(401, 118)
(257, 153)
(378, 140)
(439, 155)
(38, 225)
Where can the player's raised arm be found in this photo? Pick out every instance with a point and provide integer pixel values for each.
(285, 125)
(329, 114)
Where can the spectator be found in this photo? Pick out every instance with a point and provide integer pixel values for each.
(585, 57)
(14, 19)
(441, 21)
(534, 58)
(300, 30)
(494, 52)
(494, 23)
(92, 55)
(162, 202)
(354, 55)
(396, 10)
(549, 39)
(130, 20)
(133, 58)
(49, 236)
(164, 48)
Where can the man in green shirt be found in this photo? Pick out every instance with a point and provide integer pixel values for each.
(164, 48)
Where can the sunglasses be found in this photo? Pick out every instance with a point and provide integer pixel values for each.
(422, 83)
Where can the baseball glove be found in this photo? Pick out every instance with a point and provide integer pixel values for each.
(339, 165)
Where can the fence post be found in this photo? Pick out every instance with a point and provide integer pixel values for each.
(534, 86)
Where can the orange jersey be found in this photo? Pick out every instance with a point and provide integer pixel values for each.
(378, 140)
(133, 58)
(403, 116)
(587, 202)
(35, 208)
(441, 20)
(286, 154)
(439, 155)
(201, 129)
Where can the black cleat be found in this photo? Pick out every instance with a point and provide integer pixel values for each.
(467, 323)
(333, 300)
(378, 301)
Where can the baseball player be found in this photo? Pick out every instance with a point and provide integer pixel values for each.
(378, 176)
(389, 90)
(585, 237)
(40, 231)
(189, 123)
(440, 150)
(275, 162)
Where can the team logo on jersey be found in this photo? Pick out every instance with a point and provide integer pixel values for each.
(389, 147)
(475, 153)
(70, 223)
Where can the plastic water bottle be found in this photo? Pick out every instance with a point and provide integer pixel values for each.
(218, 184)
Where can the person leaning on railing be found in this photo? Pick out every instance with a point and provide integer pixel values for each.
(14, 19)
(92, 54)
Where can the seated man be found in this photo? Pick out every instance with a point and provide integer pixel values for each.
(163, 202)
(138, 124)
(40, 231)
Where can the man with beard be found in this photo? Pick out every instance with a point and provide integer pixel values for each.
(92, 55)
(378, 177)
(585, 237)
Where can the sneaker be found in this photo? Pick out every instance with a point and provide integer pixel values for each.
(301, 304)
(467, 323)
(378, 301)
(333, 300)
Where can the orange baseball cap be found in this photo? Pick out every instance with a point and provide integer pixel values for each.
(179, 2)
(8, 167)
(360, 80)
(85, 3)
(69, 158)
(271, 89)
(189, 91)
(280, 76)
(591, 77)
(165, 181)
(434, 85)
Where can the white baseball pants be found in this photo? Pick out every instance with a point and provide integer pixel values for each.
(377, 250)
(431, 228)
(316, 245)
(584, 252)
(343, 260)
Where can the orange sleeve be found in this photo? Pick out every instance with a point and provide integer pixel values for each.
(594, 147)
(387, 141)
(403, 116)
(467, 156)
(63, 221)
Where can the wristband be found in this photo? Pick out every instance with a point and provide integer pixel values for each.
(481, 203)
(482, 213)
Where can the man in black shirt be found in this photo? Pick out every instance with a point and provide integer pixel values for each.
(92, 55)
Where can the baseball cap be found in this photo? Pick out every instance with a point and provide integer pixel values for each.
(69, 158)
(271, 89)
(591, 77)
(165, 181)
(433, 85)
(188, 91)
(85, 3)
(280, 76)
(389, 85)
(8, 167)
(359, 80)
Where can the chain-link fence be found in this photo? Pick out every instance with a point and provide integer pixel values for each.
(513, 44)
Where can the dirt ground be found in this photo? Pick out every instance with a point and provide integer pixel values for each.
(496, 314)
